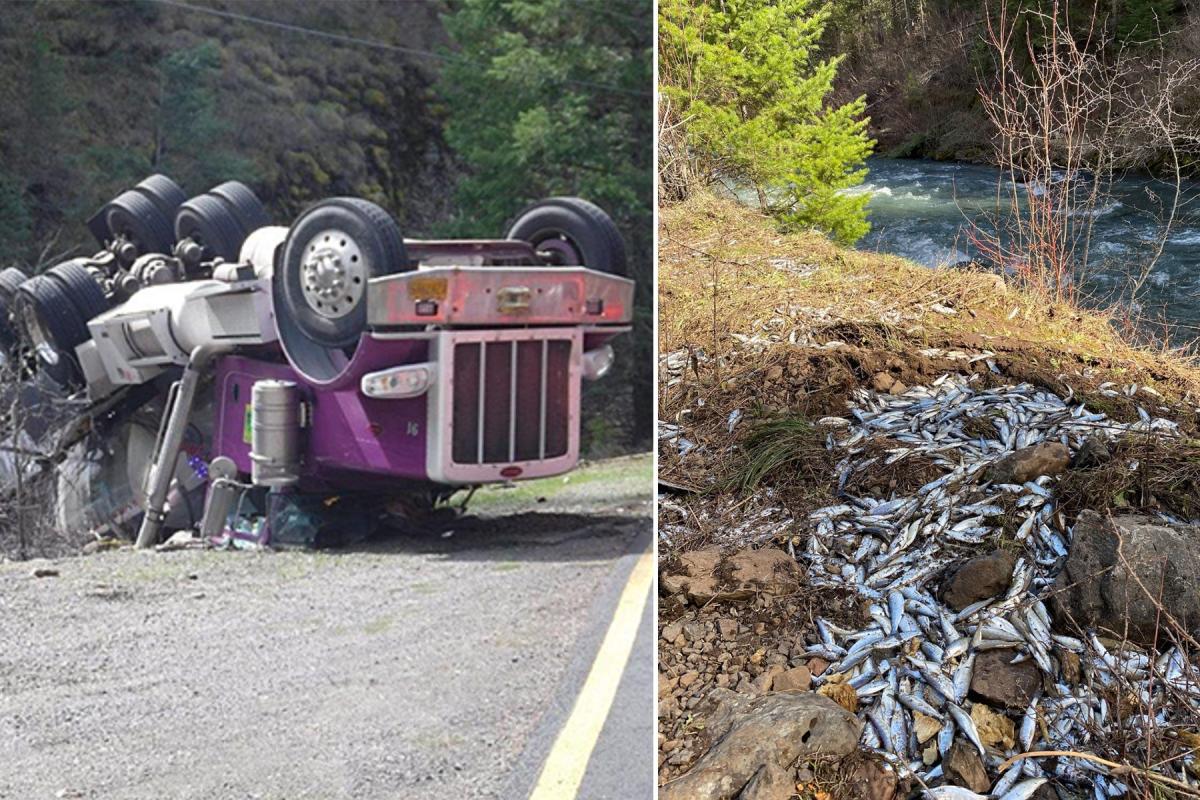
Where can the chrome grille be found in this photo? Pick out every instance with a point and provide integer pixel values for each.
(511, 400)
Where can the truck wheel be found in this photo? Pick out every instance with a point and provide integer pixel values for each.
(330, 253)
(164, 193)
(247, 209)
(10, 336)
(53, 327)
(100, 484)
(11, 280)
(210, 223)
(570, 231)
(82, 289)
(135, 217)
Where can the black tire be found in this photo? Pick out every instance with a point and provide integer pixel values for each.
(10, 334)
(210, 223)
(376, 236)
(53, 326)
(11, 280)
(590, 233)
(165, 193)
(81, 288)
(247, 209)
(135, 217)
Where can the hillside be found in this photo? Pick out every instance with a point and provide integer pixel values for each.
(853, 447)
(94, 96)
(922, 66)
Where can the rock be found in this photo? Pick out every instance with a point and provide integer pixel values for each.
(925, 727)
(1047, 458)
(672, 630)
(963, 767)
(768, 568)
(694, 576)
(748, 733)
(882, 382)
(772, 782)
(698, 575)
(979, 578)
(796, 679)
(898, 388)
(817, 665)
(1110, 563)
(44, 572)
(695, 631)
(766, 679)
(1092, 453)
(1003, 684)
(728, 628)
(688, 678)
(868, 779)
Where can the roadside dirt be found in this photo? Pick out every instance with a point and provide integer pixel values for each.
(415, 666)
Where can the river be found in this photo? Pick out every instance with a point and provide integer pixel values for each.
(921, 210)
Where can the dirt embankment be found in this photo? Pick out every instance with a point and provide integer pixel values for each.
(768, 343)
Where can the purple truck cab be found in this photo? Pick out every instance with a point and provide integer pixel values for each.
(465, 375)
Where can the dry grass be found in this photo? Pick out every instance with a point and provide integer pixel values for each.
(1167, 479)
(725, 270)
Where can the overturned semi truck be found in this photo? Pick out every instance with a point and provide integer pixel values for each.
(206, 363)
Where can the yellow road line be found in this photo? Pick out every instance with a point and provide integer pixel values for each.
(565, 766)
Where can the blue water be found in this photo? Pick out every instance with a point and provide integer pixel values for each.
(922, 210)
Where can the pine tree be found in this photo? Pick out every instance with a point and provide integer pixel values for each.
(747, 77)
(554, 97)
(189, 141)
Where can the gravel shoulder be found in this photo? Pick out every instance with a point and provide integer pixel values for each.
(415, 666)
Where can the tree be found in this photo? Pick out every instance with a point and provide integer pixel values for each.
(747, 79)
(553, 98)
(189, 137)
(15, 220)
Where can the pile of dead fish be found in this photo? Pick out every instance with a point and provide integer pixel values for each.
(912, 665)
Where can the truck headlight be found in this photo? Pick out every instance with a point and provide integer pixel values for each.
(398, 382)
(596, 363)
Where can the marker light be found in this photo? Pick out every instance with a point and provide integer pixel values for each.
(398, 382)
(597, 362)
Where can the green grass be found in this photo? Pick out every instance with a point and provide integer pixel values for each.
(612, 481)
(788, 443)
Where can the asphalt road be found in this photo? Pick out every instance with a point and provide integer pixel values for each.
(429, 664)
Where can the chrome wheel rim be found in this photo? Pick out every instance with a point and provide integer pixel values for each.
(333, 274)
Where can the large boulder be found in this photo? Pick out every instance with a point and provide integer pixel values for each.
(1047, 458)
(1121, 570)
(748, 733)
(772, 782)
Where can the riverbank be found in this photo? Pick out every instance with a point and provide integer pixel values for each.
(802, 322)
(831, 423)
